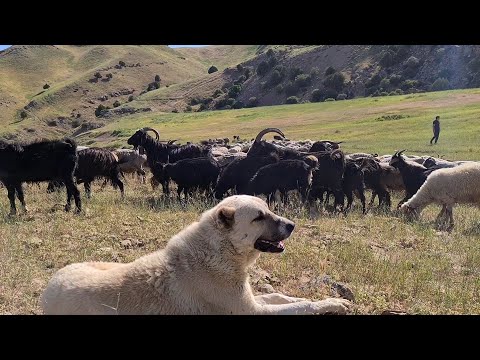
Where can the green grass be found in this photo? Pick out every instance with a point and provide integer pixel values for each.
(363, 124)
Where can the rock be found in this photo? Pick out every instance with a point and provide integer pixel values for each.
(34, 242)
(266, 289)
(127, 244)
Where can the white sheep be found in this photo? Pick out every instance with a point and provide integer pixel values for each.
(447, 187)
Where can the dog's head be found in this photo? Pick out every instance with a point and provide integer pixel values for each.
(249, 225)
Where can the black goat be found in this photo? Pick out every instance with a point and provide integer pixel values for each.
(413, 174)
(353, 181)
(95, 163)
(159, 153)
(328, 176)
(324, 145)
(40, 161)
(238, 173)
(189, 174)
(284, 176)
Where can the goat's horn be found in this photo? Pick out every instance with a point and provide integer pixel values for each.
(266, 131)
(401, 152)
(170, 142)
(157, 135)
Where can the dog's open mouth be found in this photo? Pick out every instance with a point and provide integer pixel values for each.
(265, 245)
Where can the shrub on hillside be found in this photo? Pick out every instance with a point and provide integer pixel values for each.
(412, 62)
(303, 80)
(317, 95)
(385, 83)
(97, 75)
(109, 76)
(240, 67)
(329, 99)
(290, 89)
(238, 105)
(314, 72)
(116, 104)
(234, 91)
(157, 78)
(329, 71)
(262, 68)
(23, 114)
(373, 81)
(240, 80)
(252, 102)
(387, 58)
(99, 110)
(202, 107)
(122, 63)
(440, 84)
(247, 72)
(188, 108)
(212, 69)
(395, 79)
(217, 93)
(279, 88)
(408, 84)
(274, 79)
(230, 101)
(335, 81)
(46, 86)
(270, 52)
(292, 100)
(341, 96)
(130, 98)
(294, 72)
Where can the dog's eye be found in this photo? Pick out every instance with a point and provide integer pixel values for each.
(259, 218)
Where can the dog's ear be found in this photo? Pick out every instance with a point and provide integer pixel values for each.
(225, 216)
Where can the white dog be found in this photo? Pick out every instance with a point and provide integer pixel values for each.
(202, 270)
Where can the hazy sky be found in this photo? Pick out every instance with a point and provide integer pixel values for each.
(173, 46)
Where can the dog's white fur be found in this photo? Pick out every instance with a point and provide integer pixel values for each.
(202, 270)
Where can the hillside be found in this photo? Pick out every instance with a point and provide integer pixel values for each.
(247, 76)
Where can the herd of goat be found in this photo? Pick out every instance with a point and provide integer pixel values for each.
(257, 167)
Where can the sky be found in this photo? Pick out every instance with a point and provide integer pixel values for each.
(172, 46)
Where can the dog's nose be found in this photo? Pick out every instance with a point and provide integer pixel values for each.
(290, 227)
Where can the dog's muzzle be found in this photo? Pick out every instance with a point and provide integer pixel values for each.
(277, 245)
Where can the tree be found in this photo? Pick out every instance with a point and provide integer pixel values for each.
(157, 78)
(116, 103)
(121, 63)
(329, 71)
(212, 69)
(109, 76)
(46, 86)
(97, 75)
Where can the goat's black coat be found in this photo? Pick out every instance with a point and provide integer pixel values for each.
(189, 174)
(238, 173)
(95, 163)
(283, 176)
(328, 176)
(353, 181)
(54, 160)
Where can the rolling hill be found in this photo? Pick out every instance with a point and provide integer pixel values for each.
(125, 85)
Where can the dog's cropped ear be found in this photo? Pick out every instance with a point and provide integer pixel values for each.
(225, 216)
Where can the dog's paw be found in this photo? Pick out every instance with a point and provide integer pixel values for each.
(332, 306)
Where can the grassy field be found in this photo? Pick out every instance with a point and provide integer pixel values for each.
(379, 125)
(388, 263)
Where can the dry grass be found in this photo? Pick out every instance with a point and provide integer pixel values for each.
(387, 262)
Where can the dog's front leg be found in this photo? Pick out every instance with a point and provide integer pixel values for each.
(276, 298)
(331, 305)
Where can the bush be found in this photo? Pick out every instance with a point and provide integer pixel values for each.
(195, 101)
(220, 103)
(399, 91)
(116, 104)
(272, 62)
(247, 72)
(290, 89)
(157, 78)
(317, 95)
(97, 75)
(230, 101)
(130, 98)
(262, 68)
(384, 93)
(330, 93)
(275, 79)
(207, 100)
(279, 89)
(373, 81)
(240, 67)
(385, 83)
(99, 110)
(238, 105)
(109, 76)
(240, 80)
(252, 102)
(270, 52)
(387, 58)
(217, 93)
(227, 107)
(122, 63)
(23, 114)
(314, 72)
(341, 96)
(330, 71)
(174, 111)
(202, 107)
(292, 100)
(281, 69)
(303, 80)
(395, 79)
(440, 84)
(46, 86)
(408, 84)
(188, 108)
(212, 69)
(234, 91)
(294, 72)
(335, 81)
(153, 86)
(412, 62)
(329, 99)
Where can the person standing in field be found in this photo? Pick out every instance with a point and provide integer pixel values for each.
(436, 129)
